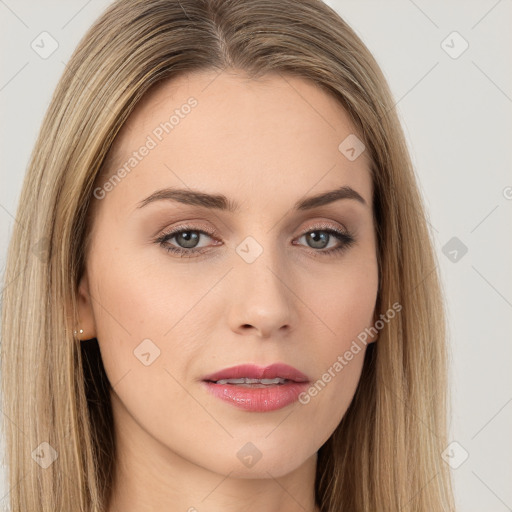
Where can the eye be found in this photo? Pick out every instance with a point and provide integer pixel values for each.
(319, 237)
(187, 237)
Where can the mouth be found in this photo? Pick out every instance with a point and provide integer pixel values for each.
(253, 383)
(255, 388)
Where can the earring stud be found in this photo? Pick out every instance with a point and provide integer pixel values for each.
(75, 332)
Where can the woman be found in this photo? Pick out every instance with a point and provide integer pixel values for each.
(221, 292)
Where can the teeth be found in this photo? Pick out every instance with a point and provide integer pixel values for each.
(231, 381)
(277, 380)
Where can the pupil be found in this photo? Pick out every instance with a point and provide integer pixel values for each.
(186, 240)
(319, 237)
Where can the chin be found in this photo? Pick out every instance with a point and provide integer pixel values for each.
(262, 469)
(260, 460)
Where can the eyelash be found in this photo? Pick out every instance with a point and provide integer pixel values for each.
(346, 239)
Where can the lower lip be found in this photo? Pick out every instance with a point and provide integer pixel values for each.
(266, 399)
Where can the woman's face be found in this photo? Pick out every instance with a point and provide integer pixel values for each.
(246, 277)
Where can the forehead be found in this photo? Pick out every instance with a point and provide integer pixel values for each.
(207, 129)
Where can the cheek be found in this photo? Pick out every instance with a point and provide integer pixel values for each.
(345, 305)
(138, 293)
(145, 340)
(343, 297)
(149, 316)
(132, 310)
(347, 301)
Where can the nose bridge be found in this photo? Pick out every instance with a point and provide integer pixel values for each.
(261, 260)
(261, 265)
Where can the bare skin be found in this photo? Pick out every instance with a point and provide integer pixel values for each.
(265, 144)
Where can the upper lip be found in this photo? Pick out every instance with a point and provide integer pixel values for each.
(252, 371)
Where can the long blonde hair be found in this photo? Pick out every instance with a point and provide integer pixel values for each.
(385, 455)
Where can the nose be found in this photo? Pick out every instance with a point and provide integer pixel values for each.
(262, 300)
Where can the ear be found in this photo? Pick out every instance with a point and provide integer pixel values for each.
(85, 311)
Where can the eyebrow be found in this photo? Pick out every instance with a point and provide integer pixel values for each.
(221, 202)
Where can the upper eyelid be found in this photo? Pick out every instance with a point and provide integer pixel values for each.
(318, 225)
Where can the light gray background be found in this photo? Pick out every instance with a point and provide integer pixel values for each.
(457, 116)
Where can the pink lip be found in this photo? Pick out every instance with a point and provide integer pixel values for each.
(252, 371)
(258, 399)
